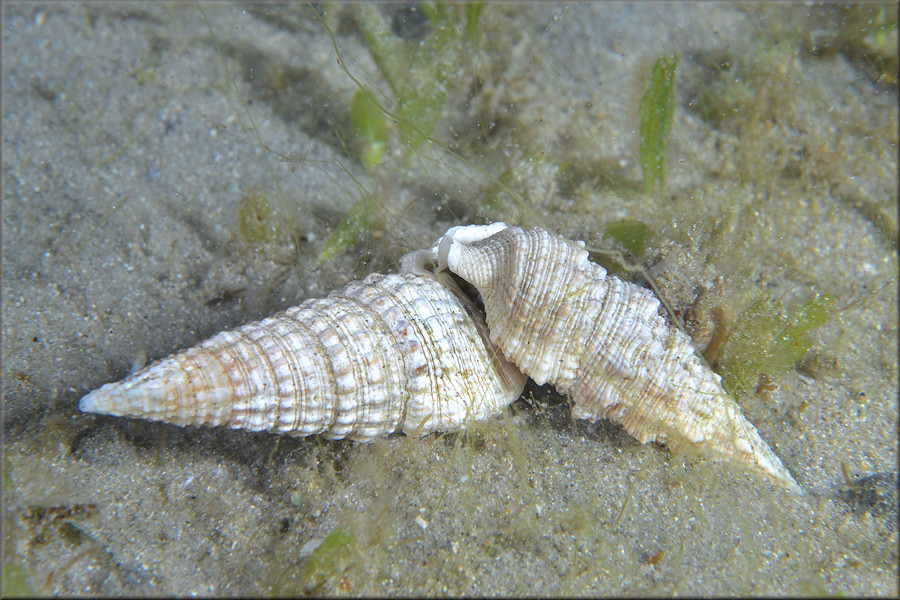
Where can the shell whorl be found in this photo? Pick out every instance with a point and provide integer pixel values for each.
(389, 353)
(561, 319)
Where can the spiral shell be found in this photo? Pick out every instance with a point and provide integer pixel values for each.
(389, 353)
(561, 319)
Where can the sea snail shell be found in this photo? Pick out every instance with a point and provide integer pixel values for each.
(560, 319)
(411, 352)
(389, 353)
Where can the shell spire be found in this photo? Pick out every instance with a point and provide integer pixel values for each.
(389, 353)
(561, 319)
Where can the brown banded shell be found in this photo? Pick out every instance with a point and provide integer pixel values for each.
(389, 353)
(602, 341)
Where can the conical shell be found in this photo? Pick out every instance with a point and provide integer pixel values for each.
(389, 353)
(601, 340)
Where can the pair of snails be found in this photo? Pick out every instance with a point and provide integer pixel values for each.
(413, 352)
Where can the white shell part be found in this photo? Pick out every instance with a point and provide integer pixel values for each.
(561, 319)
(389, 353)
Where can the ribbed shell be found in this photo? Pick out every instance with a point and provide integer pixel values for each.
(601, 340)
(389, 353)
